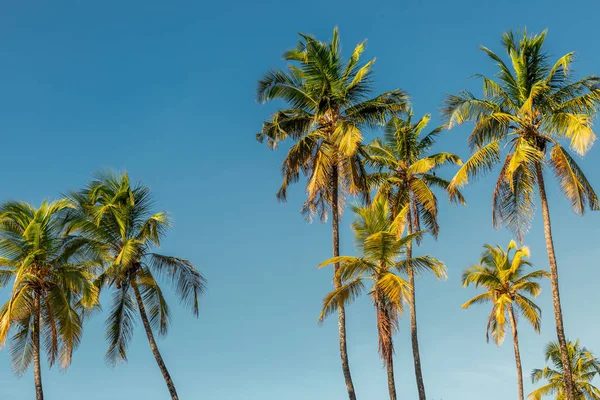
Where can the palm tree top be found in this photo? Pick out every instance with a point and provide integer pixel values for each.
(51, 274)
(321, 85)
(584, 366)
(328, 106)
(502, 274)
(118, 218)
(528, 108)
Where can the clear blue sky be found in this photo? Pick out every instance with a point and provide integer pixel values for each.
(166, 90)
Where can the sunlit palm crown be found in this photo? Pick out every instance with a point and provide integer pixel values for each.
(502, 274)
(328, 106)
(406, 170)
(528, 109)
(378, 239)
(117, 217)
(47, 267)
(584, 367)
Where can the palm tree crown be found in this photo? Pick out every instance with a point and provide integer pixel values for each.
(528, 109)
(118, 218)
(406, 170)
(328, 107)
(502, 274)
(52, 284)
(584, 367)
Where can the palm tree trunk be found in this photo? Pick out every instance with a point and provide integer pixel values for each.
(513, 324)
(386, 346)
(413, 313)
(560, 331)
(37, 370)
(391, 380)
(335, 218)
(153, 346)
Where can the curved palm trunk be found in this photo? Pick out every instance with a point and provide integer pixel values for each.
(513, 324)
(413, 314)
(335, 218)
(560, 331)
(37, 370)
(153, 346)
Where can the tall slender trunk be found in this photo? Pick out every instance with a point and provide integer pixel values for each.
(153, 346)
(386, 346)
(413, 312)
(560, 331)
(391, 381)
(513, 324)
(37, 370)
(335, 219)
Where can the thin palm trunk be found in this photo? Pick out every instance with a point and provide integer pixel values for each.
(335, 218)
(513, 324)
(37, 370)
(560, 332)
(413, 313)
(153, 346)
(385, 337)
(391, 380)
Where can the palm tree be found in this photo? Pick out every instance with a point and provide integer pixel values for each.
(118, 219)
(380, 244)
(529, 110)
(501, 273)
(52, 284)
(584, 367)
(406, 176)
(328, 107)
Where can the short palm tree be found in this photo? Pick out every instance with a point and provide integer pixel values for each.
(328, 108)
(378, 238)
(52, 283)
(531, 107)
(584, 367)
(118, 219)
(406, 176)
(502, 274)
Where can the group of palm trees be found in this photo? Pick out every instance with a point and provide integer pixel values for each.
(61, 255)
(527, 110)
(57, 258)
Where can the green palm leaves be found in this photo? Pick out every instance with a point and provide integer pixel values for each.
(507, 285)
(584, 367)
(51, 284)
(529, 109)
(118, 218)
(329, 108)
(406, 171)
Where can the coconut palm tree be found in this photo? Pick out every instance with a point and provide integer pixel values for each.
(502, 274)
(584, 367)
(378, 238)
(327, 109)
(529, 110)
(406, 177)
(51, 275)
(117, 217)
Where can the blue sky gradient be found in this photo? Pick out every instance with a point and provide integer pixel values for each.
(166, 91)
